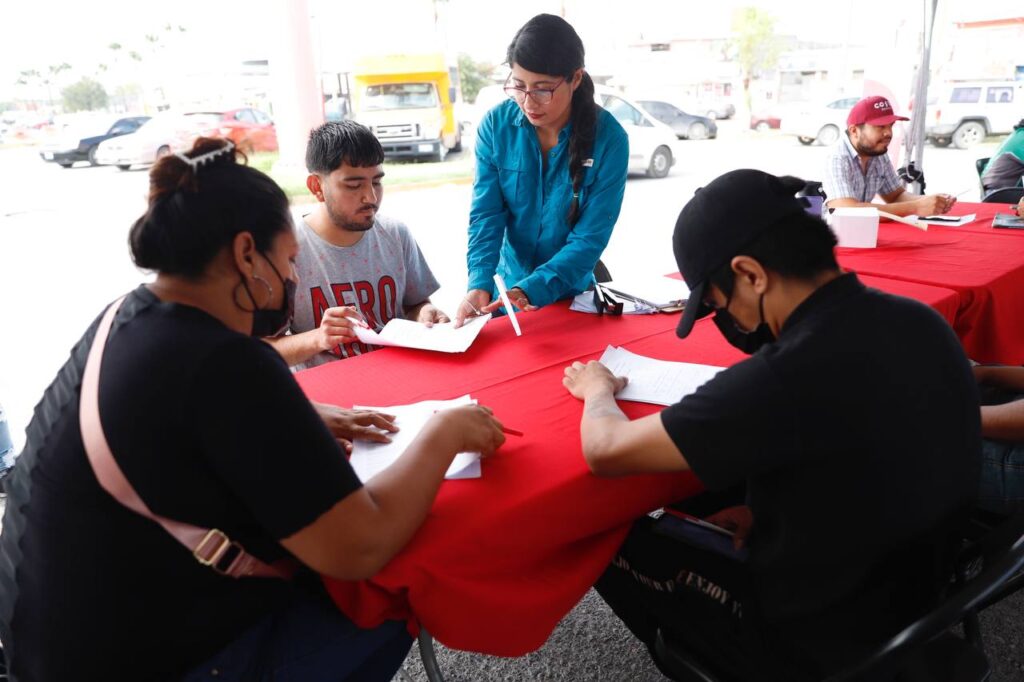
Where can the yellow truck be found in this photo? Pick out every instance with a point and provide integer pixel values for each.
(408, 101)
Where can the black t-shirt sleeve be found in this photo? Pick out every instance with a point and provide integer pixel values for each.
(265, 440)
(740, 423)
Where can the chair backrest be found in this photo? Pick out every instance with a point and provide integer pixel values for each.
(601, 273)
(1004, 195)
(1000, 568)
(980, 164)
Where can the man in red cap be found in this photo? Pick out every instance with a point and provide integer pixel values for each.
(857, 170)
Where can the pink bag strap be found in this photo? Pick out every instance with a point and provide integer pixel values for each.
(210, 546)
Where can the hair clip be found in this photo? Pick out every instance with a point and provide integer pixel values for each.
(196, 162)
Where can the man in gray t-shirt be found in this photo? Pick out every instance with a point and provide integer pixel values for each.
(355, 268)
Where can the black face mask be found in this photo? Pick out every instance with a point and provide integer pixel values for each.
(273, 321)
(748, 342)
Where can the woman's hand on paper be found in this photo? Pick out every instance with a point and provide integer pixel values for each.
(475, 426)
(338, 327)
(736, 519)
(348, 425)
(471, 305)
(591, 379)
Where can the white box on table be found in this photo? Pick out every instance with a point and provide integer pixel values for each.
(855, 226)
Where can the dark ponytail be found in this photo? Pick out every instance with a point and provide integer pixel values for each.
(198, 202)
(547, 44)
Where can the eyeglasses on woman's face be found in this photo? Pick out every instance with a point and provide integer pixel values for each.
(538, 95)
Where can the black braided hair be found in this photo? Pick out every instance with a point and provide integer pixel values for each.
(547, 44)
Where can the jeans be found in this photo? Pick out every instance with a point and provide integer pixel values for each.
(309, 641)
(1002, 476)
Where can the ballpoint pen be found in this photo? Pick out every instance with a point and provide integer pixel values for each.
(376, 326)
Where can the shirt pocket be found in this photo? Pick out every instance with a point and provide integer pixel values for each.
(511, 178)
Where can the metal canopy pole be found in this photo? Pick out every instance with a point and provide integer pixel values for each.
(914, 142)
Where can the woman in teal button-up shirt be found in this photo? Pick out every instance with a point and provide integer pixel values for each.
(551, 172)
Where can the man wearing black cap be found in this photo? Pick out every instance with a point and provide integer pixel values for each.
(852, 433)
(857, 169)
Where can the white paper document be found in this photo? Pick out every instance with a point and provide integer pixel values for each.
(503, 293)
(658, 291)
(369, 459)
(948, 220)
(442, 337)
(659, 382)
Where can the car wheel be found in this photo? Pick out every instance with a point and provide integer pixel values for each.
(697, 131)
(968, 134)
(661, 163)
(65, 164)
(123, 166)
(805, 140)
(162, 151)
(762, 126)
(828, 135)
(92, 156)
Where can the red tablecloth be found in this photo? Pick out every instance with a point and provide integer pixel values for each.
(983, 265)
(501, 559)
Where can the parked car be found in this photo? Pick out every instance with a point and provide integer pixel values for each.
(714, 108)
(163, 134)
(80, 142)
(650, 141)
(250, 129)
(819, 123)
(963, 114)
(763, 121)
(686, 126)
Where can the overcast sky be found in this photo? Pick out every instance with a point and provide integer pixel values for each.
(35, 35)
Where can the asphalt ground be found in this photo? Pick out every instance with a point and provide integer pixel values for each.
(591, 644)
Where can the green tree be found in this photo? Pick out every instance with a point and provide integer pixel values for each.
(473, 76)
(85, 95)
(755, 43)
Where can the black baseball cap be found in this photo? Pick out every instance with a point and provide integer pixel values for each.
(720, 220)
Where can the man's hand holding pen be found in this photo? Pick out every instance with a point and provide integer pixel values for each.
(337, 327)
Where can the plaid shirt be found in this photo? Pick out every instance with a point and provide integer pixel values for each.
(844, 178)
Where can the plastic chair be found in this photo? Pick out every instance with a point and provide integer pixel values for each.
(926, 650)
(979, 165)
(1004, 195)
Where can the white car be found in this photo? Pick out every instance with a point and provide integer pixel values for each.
(965, 113)
(651, 142)
(161, 135)
(818, 123)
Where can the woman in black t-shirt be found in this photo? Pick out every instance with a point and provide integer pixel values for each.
(210, 429)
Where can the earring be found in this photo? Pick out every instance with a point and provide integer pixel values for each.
(234, 294)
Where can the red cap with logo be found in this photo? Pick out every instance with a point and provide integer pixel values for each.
(875, 111)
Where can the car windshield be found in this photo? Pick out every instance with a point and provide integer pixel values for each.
(400, 96)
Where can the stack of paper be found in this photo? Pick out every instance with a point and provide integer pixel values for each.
(369, 459)
(584, 303)
(654, 291)
(443, 337)
(948, 220)
(655, 381)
